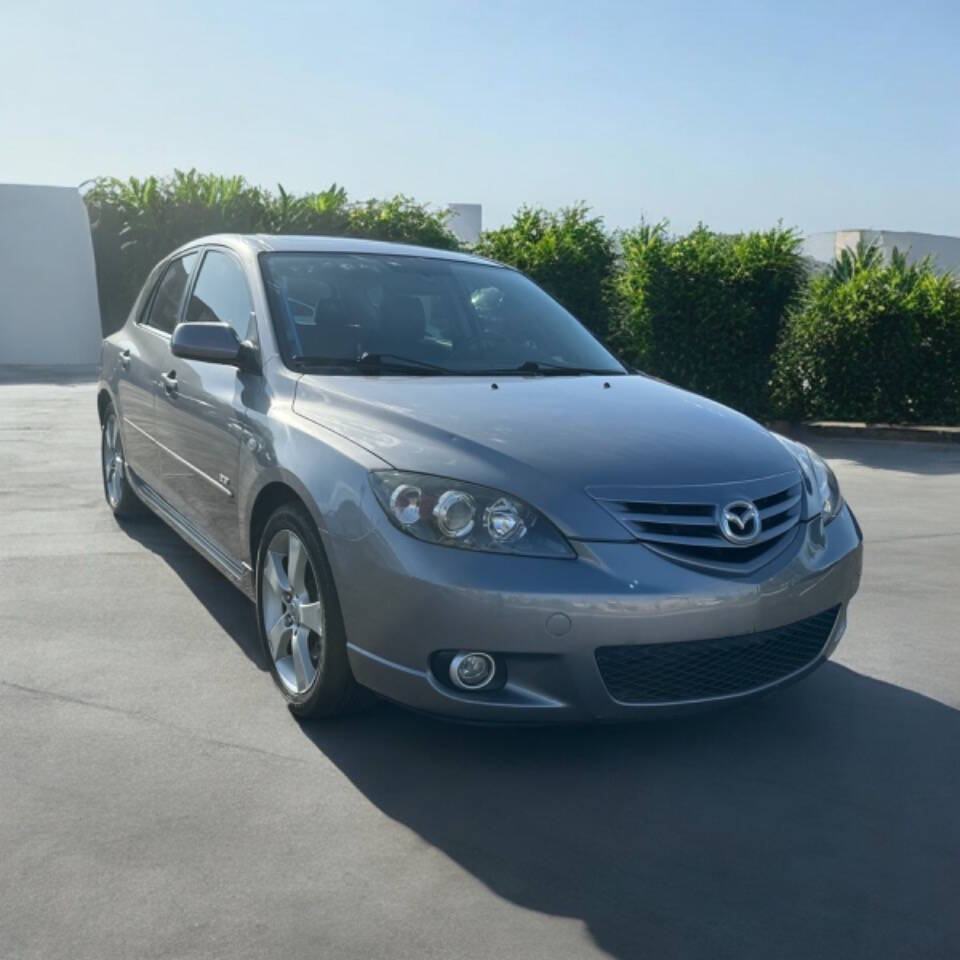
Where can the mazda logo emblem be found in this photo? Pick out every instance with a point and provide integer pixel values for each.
(740, 522)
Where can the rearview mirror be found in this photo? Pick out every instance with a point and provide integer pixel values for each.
(211, 342)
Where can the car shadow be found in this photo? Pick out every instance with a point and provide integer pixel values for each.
(228, 606)
(822, 821)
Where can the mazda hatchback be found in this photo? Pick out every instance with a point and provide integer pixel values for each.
(435, 484)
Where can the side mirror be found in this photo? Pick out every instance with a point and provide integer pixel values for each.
(210, 342)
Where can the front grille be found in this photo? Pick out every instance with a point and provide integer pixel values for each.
(688, 531)
(707, 669)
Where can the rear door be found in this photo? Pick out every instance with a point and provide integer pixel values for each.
(200, 411)
(142, 354)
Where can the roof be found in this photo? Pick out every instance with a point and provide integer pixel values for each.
(269, 243)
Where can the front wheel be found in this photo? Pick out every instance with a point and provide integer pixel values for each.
(301, 628)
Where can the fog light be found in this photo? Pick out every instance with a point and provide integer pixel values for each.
(472, 671)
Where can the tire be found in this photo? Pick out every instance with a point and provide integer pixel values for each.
(116, 486)
(299, 619)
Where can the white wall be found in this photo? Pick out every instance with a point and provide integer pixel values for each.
(945, 251)
(49, 313)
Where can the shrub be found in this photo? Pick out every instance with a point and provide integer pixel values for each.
(705, 310)
(567, 252)
(873, 342)
(135, 223)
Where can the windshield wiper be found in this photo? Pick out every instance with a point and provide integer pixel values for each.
(379, 361)
(557, 369)
(374, 363)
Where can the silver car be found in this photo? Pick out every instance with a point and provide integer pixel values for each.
(435, 484)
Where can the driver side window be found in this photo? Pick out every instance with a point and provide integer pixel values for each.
(220, 295)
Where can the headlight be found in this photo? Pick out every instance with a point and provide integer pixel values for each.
(466, 515)
(823, 491)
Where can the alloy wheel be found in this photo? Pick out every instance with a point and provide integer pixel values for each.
(292, 611)
(113, 466)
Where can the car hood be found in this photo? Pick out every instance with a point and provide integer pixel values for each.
(547, 439)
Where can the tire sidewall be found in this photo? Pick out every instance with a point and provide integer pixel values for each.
(129, 504)
(334, 678)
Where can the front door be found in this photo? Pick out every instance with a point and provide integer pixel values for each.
(200, 414)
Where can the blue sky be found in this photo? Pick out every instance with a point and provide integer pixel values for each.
(737, 114)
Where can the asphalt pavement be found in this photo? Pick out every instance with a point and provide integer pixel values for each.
(158, 801)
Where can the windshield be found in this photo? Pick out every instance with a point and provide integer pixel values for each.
(418, 315)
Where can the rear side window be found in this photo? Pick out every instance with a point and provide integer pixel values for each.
(165, 309)
(141, 305)
(220, 295)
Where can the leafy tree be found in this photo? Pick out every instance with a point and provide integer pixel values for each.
(566, 252)
(873, 342)
(135, 223)
(705, 310)
(402, 220)
(864, 257)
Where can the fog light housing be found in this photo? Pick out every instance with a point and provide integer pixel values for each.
(472, 671)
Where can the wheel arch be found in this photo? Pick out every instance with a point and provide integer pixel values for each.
(272, 495)
(104, 397)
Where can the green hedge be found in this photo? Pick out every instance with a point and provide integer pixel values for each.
(873, 342)
(736, 317)
(568, 253)
(705, 310)
(135, 223)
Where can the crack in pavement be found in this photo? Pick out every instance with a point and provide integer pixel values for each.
(147, 718)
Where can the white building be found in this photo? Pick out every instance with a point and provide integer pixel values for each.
(49, 314)
(945, 251)
(466, 221)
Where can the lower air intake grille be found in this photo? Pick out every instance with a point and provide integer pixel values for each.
(705, 669)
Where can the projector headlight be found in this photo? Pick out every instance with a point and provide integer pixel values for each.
(465, 515)
(823, 491)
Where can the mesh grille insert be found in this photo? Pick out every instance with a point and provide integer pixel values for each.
(705, 669)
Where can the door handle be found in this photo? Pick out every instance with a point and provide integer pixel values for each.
(169, 381)
(125, 358)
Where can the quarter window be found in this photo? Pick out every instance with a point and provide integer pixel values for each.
(165, 309)
(220, 295)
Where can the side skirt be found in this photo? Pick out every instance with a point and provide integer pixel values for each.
(239, 574)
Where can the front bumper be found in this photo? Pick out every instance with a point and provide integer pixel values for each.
(404, 600)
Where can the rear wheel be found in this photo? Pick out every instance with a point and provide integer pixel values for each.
(116, 487)
(299, 618)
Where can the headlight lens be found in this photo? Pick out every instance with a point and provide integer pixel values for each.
(466, 515)
(823, 490)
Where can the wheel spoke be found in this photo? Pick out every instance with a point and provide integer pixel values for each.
(116, 481)
(297, 565)
(277, 634)
(274, 573)
(300, 649)
(311, 616)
